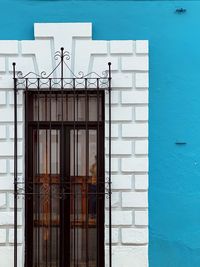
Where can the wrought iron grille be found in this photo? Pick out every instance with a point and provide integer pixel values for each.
(64, 185)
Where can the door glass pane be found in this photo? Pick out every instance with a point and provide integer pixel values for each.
(46, 203)
(48, 107)
(83, 177)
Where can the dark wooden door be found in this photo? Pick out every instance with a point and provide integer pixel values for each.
(65, 204)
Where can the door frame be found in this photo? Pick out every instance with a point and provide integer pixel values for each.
(65, 128)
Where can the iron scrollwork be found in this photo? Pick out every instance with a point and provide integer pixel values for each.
(44, 81)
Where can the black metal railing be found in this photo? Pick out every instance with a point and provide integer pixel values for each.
(64, 186)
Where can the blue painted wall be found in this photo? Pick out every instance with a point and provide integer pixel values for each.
(174, 193)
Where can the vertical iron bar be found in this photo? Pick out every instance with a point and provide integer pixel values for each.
(37, 178)
(98, 186)
(58, 215)
(46, 193)
(87, 176)
(50, 166)
(74, 163)
(110, 200)
(15, 165)
(28, 178)
(63, 254)
(77, 173)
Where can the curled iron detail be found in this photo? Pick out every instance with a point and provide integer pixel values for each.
(33, 80)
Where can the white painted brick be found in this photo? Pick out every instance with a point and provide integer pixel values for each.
(141, 182)
(141, 147)
(134, 199)
(96, 51)
(114, 130)
(6, 81)
(120, 218)
(6, 183)
(2, 200)
(19, 236)
(100, 64)
(19, 131)
(3, 166)
(114, 98)
(141, 217)
(121, 181)
(134, 97)
(20, 166)
(11, 201)
(23, 64)
(135, 130)
(119, 147)
(134, 236)
(115, 235)
(114, 164)
(2, 131)
(135, 164)
(19, 97)
(2, 236)
(142, 47)
(141, 80)
(2, 64)
(115, 200)
(121, 47)
(130, 256)
(92, 56)
(7, 218)
(2, 98)
(122, 80)
(7, 114)
(141, 113)
(7, 148)
(8, 47)
(120, 114)
(135, 63)
(7, 256)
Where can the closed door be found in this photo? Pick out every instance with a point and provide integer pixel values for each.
(65, 184)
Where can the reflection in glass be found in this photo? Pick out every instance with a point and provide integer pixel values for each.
(83, 172)
(46, 205)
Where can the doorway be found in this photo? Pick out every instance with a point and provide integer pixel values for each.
(64, 184)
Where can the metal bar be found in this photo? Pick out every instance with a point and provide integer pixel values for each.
(50, 170)
(97, 178)
(80, 125)
(62, 254)
(46, 197)
(58, 216)
(38, 170)
(74, 163)
(66, 90)
(77, 173)
(110, 200)
(87, 165)
(15, 165)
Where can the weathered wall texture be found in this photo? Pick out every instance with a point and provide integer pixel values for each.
(129, 131)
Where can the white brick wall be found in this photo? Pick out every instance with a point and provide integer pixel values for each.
(129, 132)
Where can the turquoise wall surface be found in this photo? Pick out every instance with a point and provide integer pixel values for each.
(174, 192)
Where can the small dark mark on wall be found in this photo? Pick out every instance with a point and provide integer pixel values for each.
(180, 143)
(180, 11)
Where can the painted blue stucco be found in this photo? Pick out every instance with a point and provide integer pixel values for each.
(174, 192)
